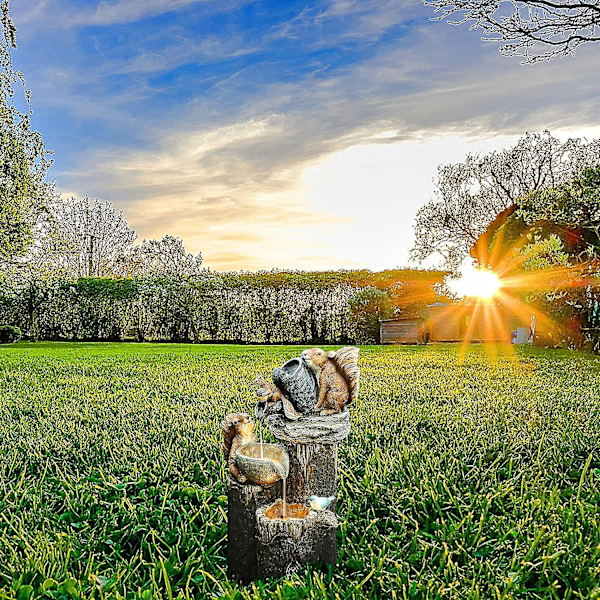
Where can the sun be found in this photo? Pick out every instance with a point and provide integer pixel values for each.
(474, 282)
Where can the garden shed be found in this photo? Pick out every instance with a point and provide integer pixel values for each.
(490, 322)
(406, 330)
(443, 322)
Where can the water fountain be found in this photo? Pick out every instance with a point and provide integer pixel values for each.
(282, 497)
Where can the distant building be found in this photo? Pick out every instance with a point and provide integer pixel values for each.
(407, 330)
(444, 322)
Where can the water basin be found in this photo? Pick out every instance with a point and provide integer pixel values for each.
(292, 511)
(263, 468)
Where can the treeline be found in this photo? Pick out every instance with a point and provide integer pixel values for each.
(263, 308)
(83, 278)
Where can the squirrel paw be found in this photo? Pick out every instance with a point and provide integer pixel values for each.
(329, 411)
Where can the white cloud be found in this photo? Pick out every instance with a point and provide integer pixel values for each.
(64, 14)
(124, 11)
(327, 169)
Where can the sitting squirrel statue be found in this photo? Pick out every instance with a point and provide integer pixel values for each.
(238, 429)
(338, 377)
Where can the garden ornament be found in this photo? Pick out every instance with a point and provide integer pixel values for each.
(298, 383)
(319, 503)
(263, 464)
(338, 377)
(281, 497)
(238, 430)
(272, 401)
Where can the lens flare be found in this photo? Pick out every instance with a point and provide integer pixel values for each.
(476, 283)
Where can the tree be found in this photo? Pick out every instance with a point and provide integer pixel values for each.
(573, 207)
(471, 194)
(82, 238)
(533, 29)
(564, 290)
(160, 257)
(368, 306)
(24, 161)
(569, 212)
(547, 250)
(71, 239)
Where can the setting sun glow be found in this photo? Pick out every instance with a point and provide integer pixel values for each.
(473, 282)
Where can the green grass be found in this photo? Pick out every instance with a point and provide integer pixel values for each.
(477, 478)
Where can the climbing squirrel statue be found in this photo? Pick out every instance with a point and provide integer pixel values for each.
(238, 429)
(267, 392)
(271, 400)
(338, 377)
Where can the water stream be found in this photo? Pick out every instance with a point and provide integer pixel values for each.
(260, 431)
(277, 467)
(284, 515)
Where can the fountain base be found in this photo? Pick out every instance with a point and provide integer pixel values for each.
(287, 545)
(243, 501)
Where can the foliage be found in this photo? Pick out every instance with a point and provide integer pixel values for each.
(383, 280)
(97, 287)
(472, 478)
(471, 194)
(81, 238)
(9, 334)
(550, 288)
(24, 161)
(158, 258)
(367, 307)
(274, 307)
(574, 207)
(542, 254)
(553, 235)
(534, 29)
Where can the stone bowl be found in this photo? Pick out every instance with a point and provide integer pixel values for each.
(273, 466)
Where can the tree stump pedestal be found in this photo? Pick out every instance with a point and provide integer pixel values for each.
(312, 445)
(262, 541)
(285, 546)
(242, 537)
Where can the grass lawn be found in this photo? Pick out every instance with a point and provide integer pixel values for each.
(473, 478)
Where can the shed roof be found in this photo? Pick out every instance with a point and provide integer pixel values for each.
(407, 318)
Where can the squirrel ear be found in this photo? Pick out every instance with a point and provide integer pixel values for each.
(331, 354)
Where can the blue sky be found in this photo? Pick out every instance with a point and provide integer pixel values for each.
(279, 133)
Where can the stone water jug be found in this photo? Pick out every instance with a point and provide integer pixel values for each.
(298, 383)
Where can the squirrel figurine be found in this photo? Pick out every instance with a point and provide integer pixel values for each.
(238, 429)
(338, 377)
(267, 392)
(272, 400)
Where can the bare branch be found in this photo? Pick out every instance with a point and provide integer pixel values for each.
(81, 238)
(533, 29)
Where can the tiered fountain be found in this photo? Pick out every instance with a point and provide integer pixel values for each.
(282, 497)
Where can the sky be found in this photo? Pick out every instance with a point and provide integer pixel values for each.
(279, 133)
